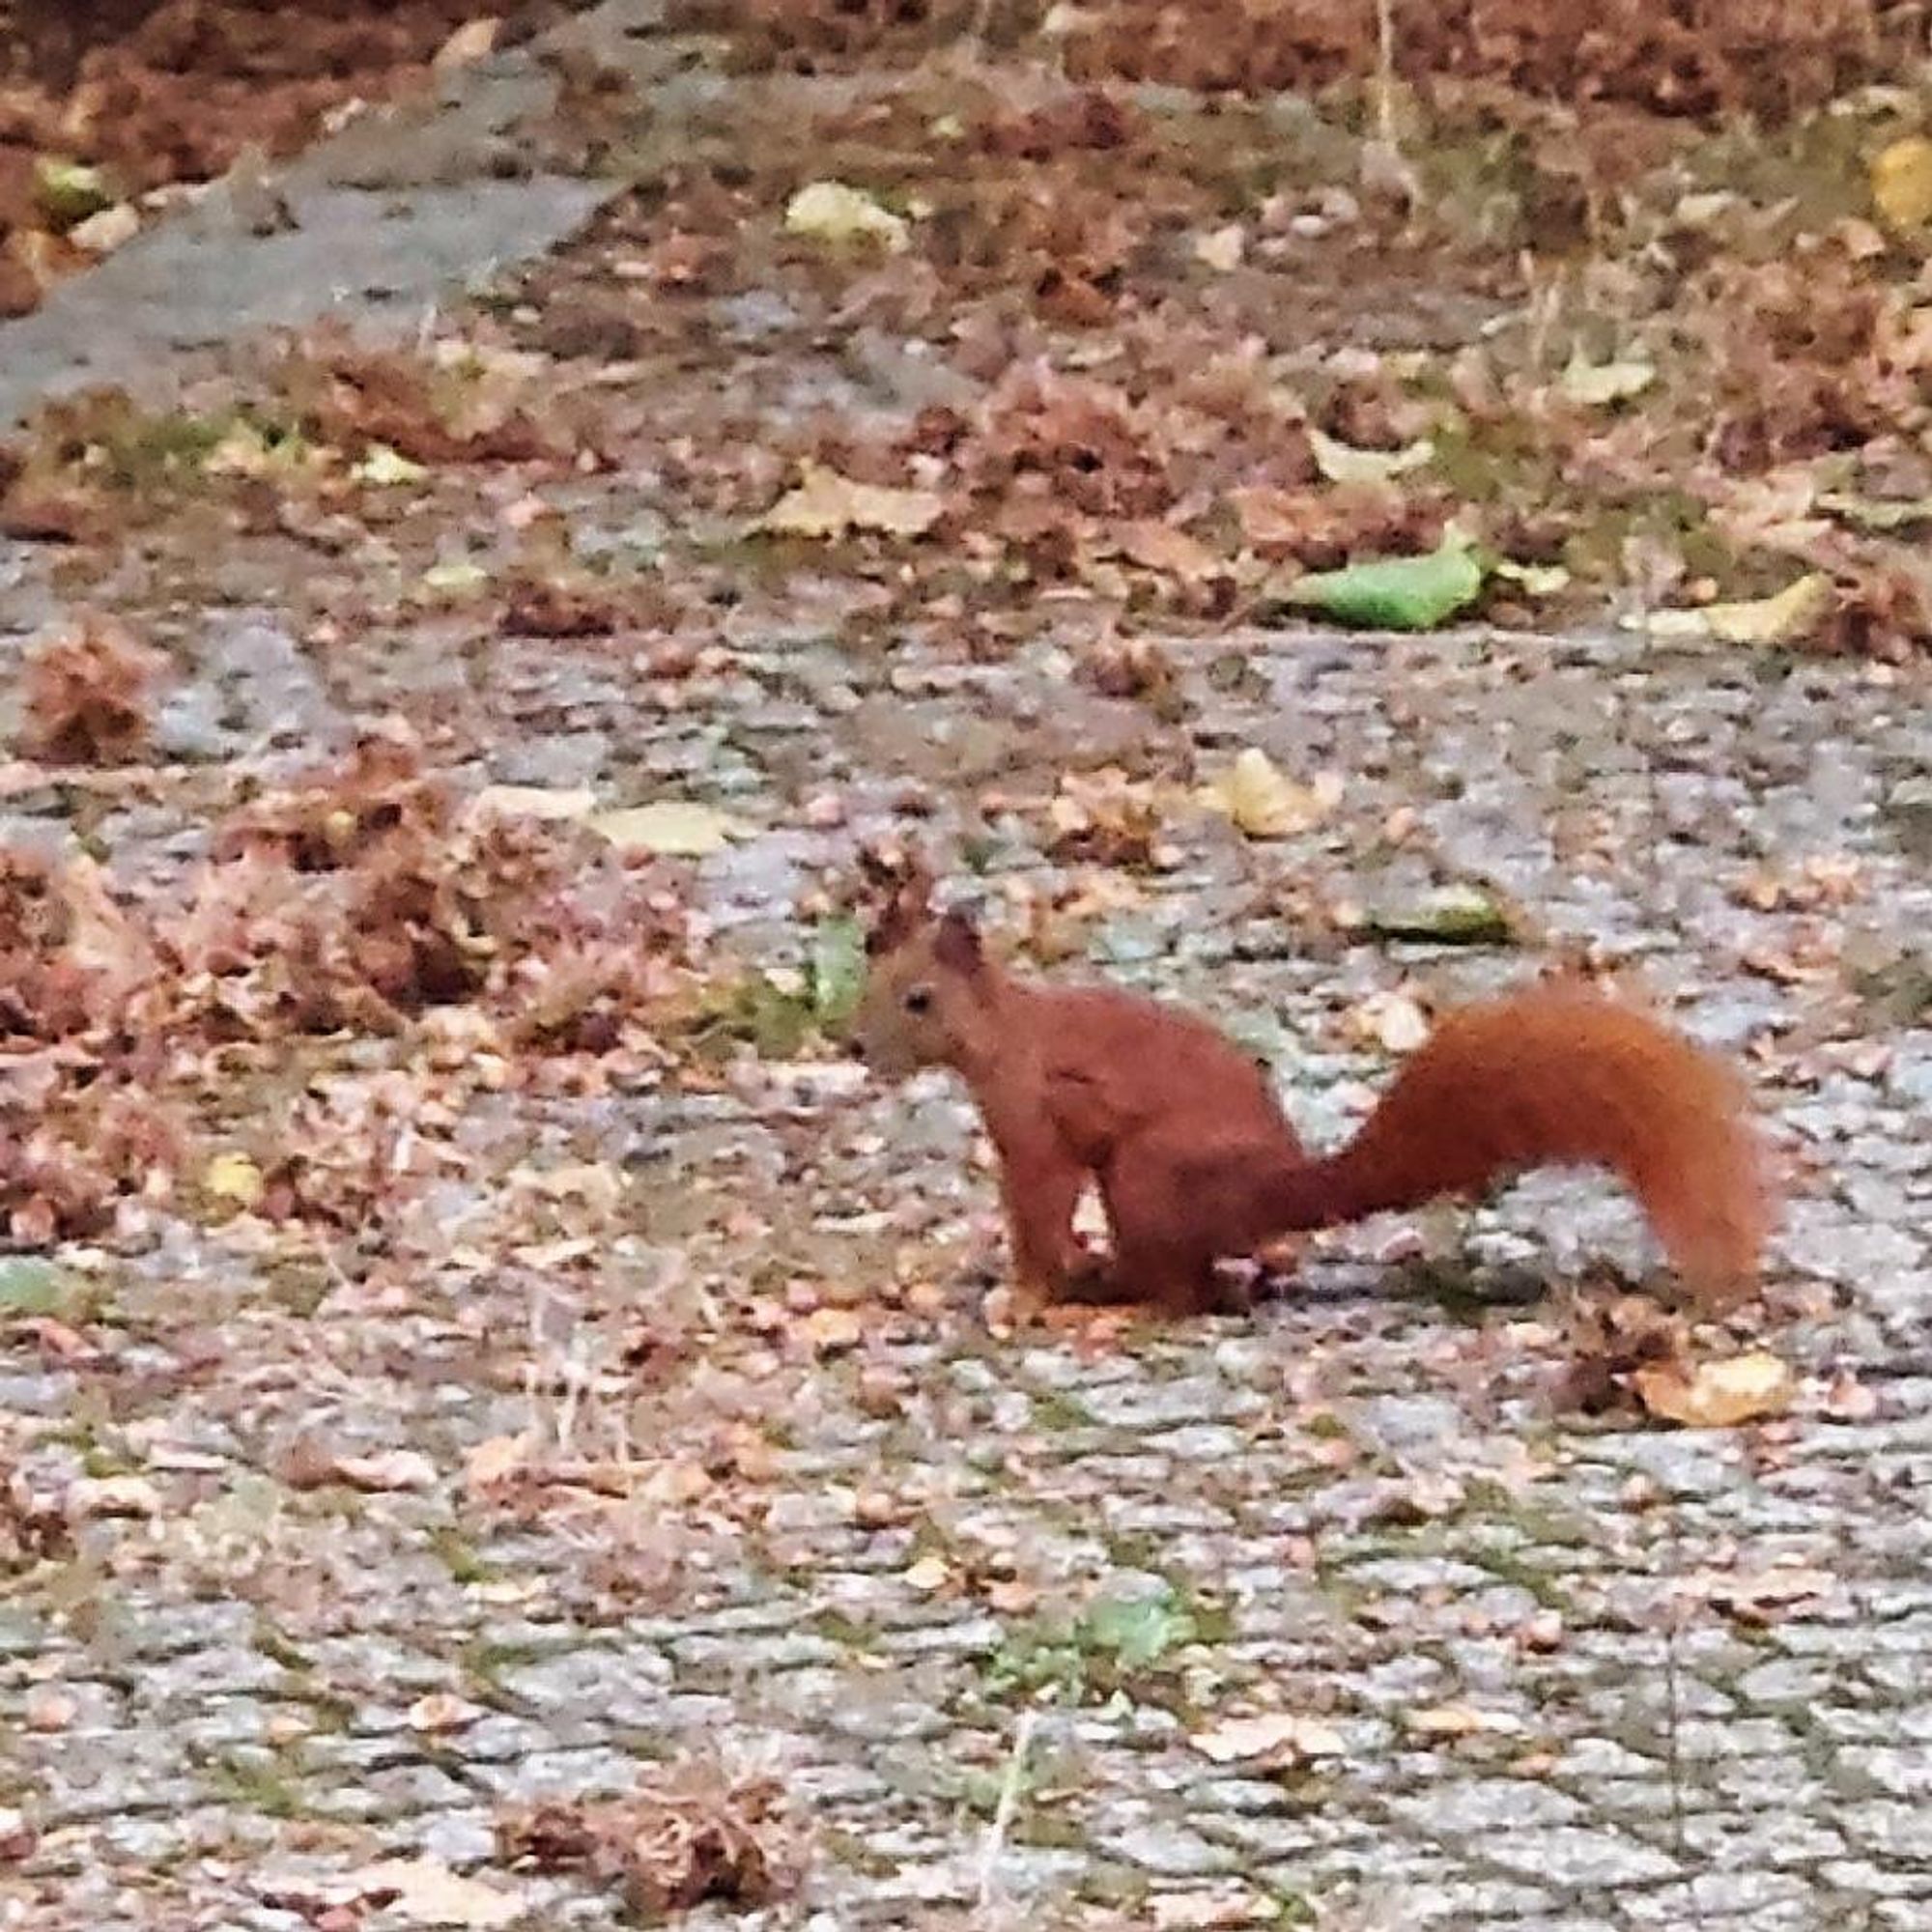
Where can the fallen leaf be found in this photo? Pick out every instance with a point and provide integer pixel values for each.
(836, 212)
(1876, 512)
(1157, 545)
(443, 1710)
(1263, 802)
(1276, 1737)
(387, 1469)
(1849, 1400)
(833, 1331)
(1901, 182)
(927, 1575)
(1714, 1395)
(388, 469)
(1403, 593)
(550, 805)
(456, 577)
(1534, 580)
(107, 229)
(1779, 619)
(235, 1178)
(1462, 1721)
(1394, 1021)
(68, 192)
(494, 1461)
(31, 1286)
(428, 1892)
(671, 828)
(826, 505)
(1598, 384)
(472, 42)
(1221, 248)
(1455, 915)
(838, 970)
(1344, 463)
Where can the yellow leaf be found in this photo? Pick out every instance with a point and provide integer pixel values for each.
(1534, 580)
(388, 469)
(827, 504)
(1901, 183)
(1344, 463)
(927, 1575)
(1598, 384)
(1461, 1720)
(470, 43)
(233, 1177)
(1221, 248)
(1274, 1736)
(1715, 1395)
(670, 827)
(1264, 803)
(831, 210)
(1762, 620)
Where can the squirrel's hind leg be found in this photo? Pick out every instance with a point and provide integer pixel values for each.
(1163, 1256)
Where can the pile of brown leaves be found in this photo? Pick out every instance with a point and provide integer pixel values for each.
(364, 898)
(88, 696)
(686, 1836)
(1702, 59)
(175, 92)
(363, 901)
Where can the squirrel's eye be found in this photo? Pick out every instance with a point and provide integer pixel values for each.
(918, 1000)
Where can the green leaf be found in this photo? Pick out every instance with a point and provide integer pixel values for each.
(1454, 916)
(29, 1286)
(838, 971)
(68, 192)
(1398, 593)
(1139, 1630)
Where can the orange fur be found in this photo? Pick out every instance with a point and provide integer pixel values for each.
(1196, 1162)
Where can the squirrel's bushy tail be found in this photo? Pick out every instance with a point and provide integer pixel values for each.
(1558, 1076)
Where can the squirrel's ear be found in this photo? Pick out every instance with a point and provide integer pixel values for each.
(957, 942)
(905, 897)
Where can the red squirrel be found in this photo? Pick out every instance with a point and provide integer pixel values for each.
(1196, 1162)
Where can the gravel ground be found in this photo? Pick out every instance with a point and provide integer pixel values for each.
(989, 1604)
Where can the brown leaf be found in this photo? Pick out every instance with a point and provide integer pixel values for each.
(1268, 1738)
(1157, 545)
(497, 1460)
(828, 506)
(687, 1835)
(89, 695)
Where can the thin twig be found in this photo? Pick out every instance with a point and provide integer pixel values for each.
(1003, 1813)
(1385, 71)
